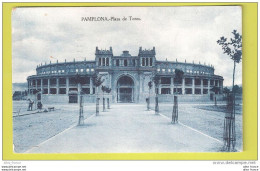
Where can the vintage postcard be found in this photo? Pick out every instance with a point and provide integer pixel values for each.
(127, 79)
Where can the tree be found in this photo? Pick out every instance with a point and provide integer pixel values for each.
(237, 89)
(215, 89)
(157, 81)
(226, 90)
(97, 81)
(232, 48)
(179, 75)
(79, 80)
(103, 88)
(108, 90)
(150, 85)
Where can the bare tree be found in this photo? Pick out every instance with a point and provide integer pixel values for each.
(175, 110)
(97, 81)
(232, 48)
(103, 88)
(78, 80)
(150, 85)
(108, 90)
(157, 81)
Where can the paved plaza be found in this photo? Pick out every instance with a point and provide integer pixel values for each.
(128, 128)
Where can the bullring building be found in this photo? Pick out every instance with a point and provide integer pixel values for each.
(127, 76)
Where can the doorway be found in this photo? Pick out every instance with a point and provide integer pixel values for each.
(125, 90)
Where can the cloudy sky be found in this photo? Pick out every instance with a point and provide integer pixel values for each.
(42, 35)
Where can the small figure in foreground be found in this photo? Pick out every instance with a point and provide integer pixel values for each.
(30, 104)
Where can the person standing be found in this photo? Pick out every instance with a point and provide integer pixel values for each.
(30, 105)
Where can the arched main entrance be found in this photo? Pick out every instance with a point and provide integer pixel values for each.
(125, 89)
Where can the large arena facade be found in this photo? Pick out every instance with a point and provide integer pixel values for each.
(127, 76)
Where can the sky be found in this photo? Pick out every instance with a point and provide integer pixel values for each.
(45, 34)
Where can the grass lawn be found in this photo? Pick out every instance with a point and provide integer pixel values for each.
(207, 118)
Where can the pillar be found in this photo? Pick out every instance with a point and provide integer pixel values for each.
(57, 85)
(117, 95)
(172, 87)
(201, 86)
(67, 85)
(79, 92)
(132, 95)
(143, 83)
(193, 85)
(42, 85)
(28, 84)
(208, 86)
(183, 85)
(48, 85)
(218, 87)
(91, 86)
(221, 87)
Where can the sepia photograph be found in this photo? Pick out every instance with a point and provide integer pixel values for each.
(127, 79)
